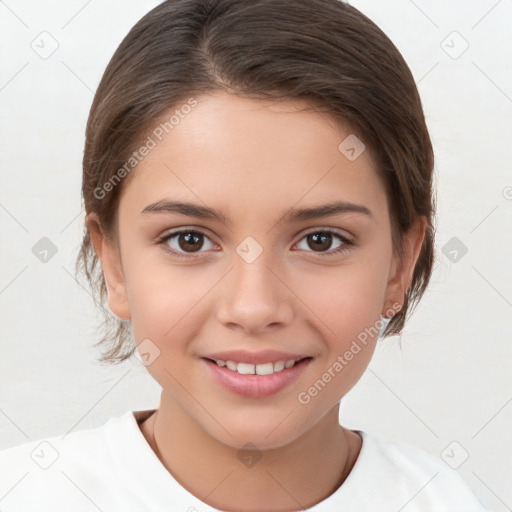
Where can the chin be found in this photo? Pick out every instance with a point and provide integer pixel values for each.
(259, 435)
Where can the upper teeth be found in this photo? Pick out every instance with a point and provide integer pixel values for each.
(258, 369)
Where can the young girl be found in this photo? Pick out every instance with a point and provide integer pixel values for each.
(257, 179)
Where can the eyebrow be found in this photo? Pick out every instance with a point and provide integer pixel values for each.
(293, 215)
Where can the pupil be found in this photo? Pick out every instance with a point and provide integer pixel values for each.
(322, 239)
(191, 241)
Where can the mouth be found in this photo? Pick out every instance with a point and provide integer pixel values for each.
(255, 380)
(257, 369)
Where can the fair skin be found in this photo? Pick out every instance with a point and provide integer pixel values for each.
(254, 161)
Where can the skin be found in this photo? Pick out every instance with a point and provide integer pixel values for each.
(254, 160)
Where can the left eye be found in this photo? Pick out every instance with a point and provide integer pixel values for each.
(322, 240)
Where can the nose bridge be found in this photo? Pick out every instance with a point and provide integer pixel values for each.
(252, 296)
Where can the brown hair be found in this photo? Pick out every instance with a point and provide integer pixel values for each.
(323, 51)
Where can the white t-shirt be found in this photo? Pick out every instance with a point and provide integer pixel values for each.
(112, 468)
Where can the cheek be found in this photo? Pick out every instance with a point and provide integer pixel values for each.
(168, 303)
(347, 298)
(347, 316)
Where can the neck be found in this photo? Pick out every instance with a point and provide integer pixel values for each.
(292, 477)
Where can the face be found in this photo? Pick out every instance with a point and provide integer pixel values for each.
(270, 271)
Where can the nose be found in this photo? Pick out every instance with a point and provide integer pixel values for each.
(253, 297)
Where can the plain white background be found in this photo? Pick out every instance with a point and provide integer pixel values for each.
(443, 386)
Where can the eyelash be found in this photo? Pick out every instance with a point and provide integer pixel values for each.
(347, 244)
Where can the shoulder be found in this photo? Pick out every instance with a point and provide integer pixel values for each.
(43, 473)
(44, 453)
(408, 475)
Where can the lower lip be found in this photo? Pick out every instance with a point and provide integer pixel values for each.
(255, 386)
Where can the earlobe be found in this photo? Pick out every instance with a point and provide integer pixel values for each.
(403, 270)
(109, 257)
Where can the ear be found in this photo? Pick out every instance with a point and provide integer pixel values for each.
(402, 270)
(110, 259)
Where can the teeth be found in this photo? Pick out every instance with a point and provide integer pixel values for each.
(245, 369)
(264, 369)
(231, 365)
(258, 369)
(279, 365)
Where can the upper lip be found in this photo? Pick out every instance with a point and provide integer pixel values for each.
(264, 356)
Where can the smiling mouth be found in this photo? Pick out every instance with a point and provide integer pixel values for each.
(257, 369)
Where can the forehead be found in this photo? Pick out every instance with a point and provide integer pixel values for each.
(253, 155)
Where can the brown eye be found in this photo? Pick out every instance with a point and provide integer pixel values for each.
(321, 241)
(185, 242)
(190, 242)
